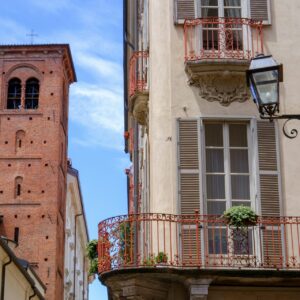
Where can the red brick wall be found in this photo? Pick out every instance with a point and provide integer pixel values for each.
(39, 211)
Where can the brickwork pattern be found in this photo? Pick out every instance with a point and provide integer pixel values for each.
(40, 160)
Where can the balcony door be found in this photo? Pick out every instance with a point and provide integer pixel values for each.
(222, 30)
(228, 182)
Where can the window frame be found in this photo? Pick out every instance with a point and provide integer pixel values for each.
(245, 9)
(253, 168)
(31, 97)
(17, 96)
(227, 165)
(221, 43)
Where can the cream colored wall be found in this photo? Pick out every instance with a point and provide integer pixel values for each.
(73, 208)
(170, 93)
(16, 284)
(160, 118)
(283, 41)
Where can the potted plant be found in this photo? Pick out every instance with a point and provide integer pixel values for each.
(240, 216)
(149, 261)
(161, 258)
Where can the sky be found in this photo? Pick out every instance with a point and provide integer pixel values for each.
(93, 28)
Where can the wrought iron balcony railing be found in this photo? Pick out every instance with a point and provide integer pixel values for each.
(138, 72)
(197, 241)
(222, 38)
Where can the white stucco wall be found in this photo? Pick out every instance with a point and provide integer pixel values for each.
(73, 208)
(170, 97)
(17, 286)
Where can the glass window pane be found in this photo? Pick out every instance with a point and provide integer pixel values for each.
(217, 241)
(216, 207)
(214, 135)
(238, 135)
(210, 39)
(209, 12)
(214, 160)
(239, 161)
(232, 13)
(215, 186)
(234, 40)
(209, 2)
(239, 203)
(240, 187)
(232, 2)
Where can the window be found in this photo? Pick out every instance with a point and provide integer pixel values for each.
(227, 171)
(222, 8)
(222, 30)
(227, 176)
(32, 93)
(18, 186)
(20, 135)
(14, 94)
(237, 163)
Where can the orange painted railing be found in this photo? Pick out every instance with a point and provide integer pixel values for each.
(197, 241)
(138, 72)
(222, 38)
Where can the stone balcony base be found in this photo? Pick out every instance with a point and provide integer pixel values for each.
(221, 80)
(192, 284)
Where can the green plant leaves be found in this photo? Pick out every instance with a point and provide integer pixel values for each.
(92, 254)
(240, 216)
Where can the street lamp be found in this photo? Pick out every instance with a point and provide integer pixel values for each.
(263, 77)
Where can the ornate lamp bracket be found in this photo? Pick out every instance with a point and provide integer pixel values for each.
(289, 133)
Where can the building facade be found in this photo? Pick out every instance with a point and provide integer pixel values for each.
(34, 139)
(76, 239)
(18, 278)
(198, 147)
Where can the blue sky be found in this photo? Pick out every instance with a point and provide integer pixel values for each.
(93, 28)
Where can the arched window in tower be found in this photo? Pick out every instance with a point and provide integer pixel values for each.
(14, 94)
(32, 93)
(20, 135)
(18, 186)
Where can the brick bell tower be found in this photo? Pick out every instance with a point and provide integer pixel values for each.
(33, 155)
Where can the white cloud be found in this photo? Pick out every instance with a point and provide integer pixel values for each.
(108, 69)
(12, 32)
(100, 112)
(96, 103)
(51, 6)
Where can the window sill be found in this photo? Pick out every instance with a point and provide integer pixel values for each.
(21, 112)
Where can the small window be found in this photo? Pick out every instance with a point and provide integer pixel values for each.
(14, 94)
(20, 135)
(18, 186)
(32, 93)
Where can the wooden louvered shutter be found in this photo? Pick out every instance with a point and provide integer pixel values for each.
(269, 192)
(268, 169)
(184, 9)
(260, 10)
(189, 189)
(188, 166)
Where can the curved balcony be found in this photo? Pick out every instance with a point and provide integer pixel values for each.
(138, 86)
(222, 38)
(217, 54)
(197, 242)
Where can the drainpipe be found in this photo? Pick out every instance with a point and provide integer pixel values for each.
(76, 216)
(3, 277)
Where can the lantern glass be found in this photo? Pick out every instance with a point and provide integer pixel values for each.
(266, 84)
